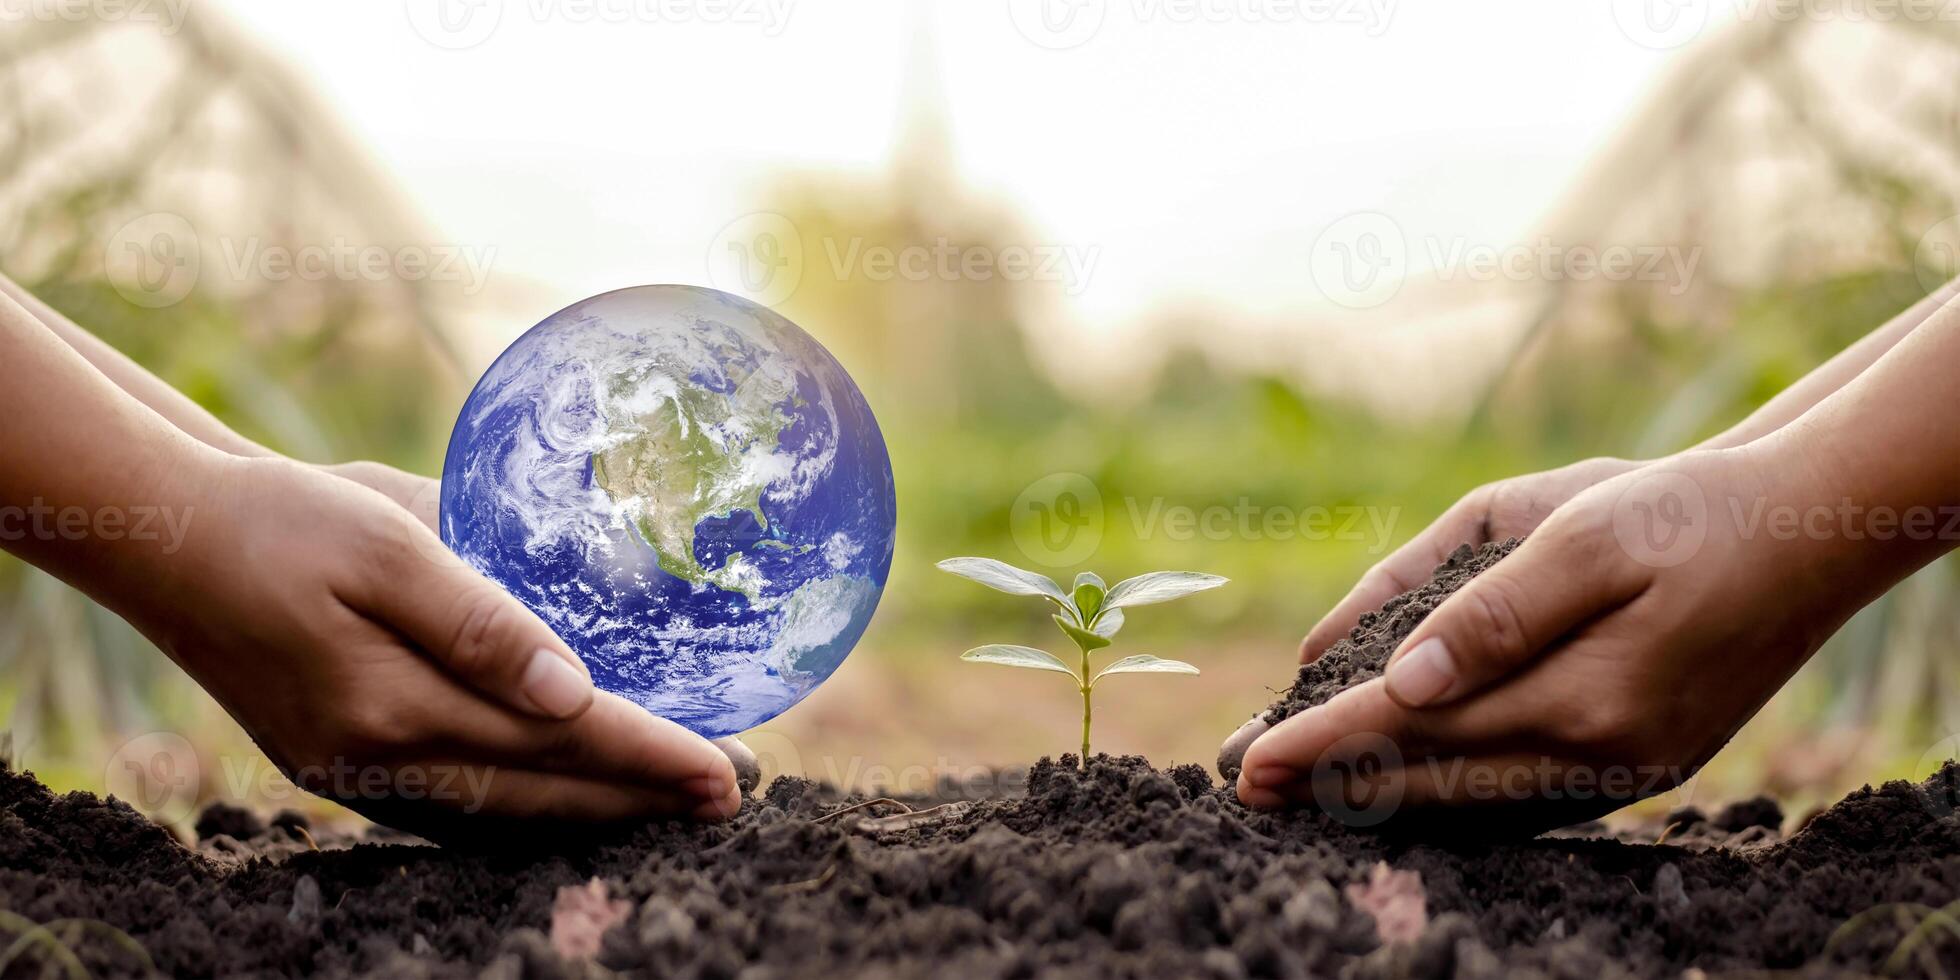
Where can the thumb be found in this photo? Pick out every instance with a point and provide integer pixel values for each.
(484, 636)
(1507, 616)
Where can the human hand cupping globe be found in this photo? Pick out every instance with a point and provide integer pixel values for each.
(688, 489)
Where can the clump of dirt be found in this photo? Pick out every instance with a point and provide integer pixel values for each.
(1119, 871)
(1116, 870)
(1362, 654)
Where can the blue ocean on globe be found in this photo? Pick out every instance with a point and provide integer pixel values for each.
(689, 489)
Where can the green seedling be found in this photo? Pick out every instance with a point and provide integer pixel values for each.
(1090, 614)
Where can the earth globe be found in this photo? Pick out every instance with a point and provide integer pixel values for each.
(689, 489)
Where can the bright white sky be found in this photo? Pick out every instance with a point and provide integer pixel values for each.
(595, 145)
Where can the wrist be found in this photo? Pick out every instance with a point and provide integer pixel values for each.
(142, 554)
(1853, 533)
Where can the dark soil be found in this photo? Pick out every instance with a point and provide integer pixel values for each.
(1120, 871)
(1123, 871)
(1363, 653)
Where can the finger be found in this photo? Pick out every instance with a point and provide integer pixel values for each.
(1406, 568)
(1506, 795)
(1364, 719)
(1553, 583)
(1369, 762)
(614, 740)
(475, 629)
(748, 768)
(1357, 720)
(496, 806)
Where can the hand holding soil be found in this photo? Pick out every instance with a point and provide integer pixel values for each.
(1643, 622)
(1494, 512)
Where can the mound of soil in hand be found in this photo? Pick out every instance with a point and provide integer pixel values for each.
(1363, 653)
(1119, 871)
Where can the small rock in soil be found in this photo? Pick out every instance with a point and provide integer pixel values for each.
(1759, 812)
(1682, 818)
(291, 820)
(235, 822)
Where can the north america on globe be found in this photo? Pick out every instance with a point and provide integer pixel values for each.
(688, 489)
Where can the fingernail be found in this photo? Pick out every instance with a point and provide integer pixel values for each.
(708, 787)
(1270, 777)
(719, 796)
(1423, 674)
(1259, 799)
(719, 809)
(557, 688)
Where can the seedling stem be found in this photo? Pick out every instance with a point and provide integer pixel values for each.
(1090, 614)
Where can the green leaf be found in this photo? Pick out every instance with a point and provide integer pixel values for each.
(1107, 625)
(1144, 663)
(1008, 655)
(1006, 578)
(1083, 638)
(1088, 594)
(1159, 587)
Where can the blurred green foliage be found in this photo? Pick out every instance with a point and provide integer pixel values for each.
(362, 370)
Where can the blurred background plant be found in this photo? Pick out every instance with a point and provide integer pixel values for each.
(1808, 169)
